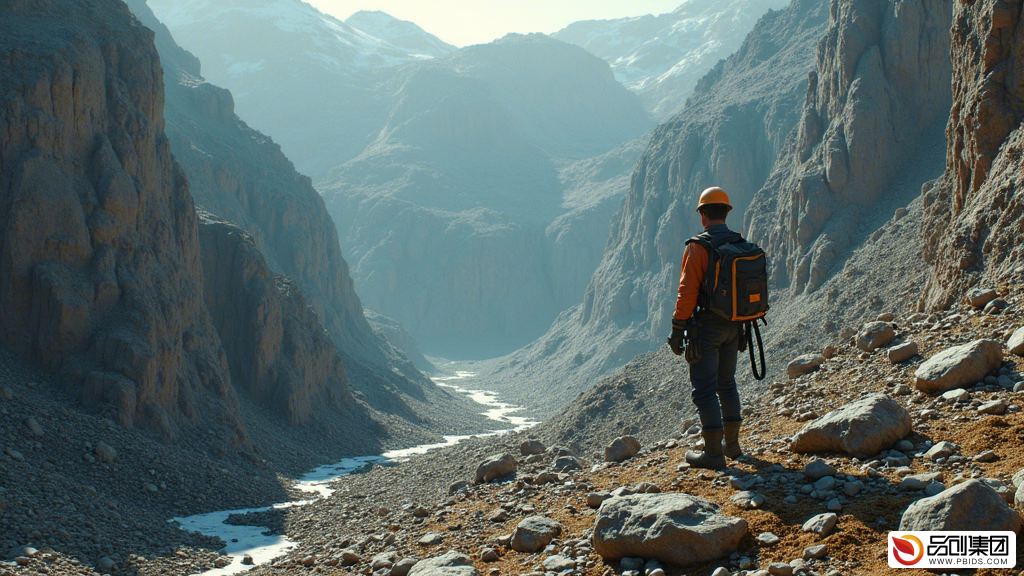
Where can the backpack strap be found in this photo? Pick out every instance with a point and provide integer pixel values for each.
(711, 245)
(752, 329)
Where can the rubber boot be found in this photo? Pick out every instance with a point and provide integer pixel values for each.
(732, 440)
(712, 456)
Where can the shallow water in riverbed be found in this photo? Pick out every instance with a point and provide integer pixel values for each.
(251, 540)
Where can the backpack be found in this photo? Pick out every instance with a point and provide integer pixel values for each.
(735, 287)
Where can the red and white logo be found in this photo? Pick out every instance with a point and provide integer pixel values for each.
(906, 549)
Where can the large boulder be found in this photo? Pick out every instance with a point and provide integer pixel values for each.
(865, 427)
(532, 447)
(959, 366)
(804, 365)
(874, 335)
(495, 467)
(450, 564)
(672, 528)
(534, 533)
(902, 352)
(622, 448)
(979, 297)
(972, 505)
(1016, 342)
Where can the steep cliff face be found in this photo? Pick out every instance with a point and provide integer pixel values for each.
(732, 131)
(277, 350)
(239, 176)
(974, 222)
(879, 91)
(100, 270)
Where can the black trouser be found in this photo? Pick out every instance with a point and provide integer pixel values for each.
(714, 376)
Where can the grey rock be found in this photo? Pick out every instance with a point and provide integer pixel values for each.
(1005, 492)
(747, 499)
(904, 446)
(350, 558)
(957, 395)
(1018, 478)
(996, 306)
(959, 366)
(495, 467)
(780, 569)
(594, 499)
(834, 505)
(622, 448)
(105, 564)
(632, 563)
(979, 297)
(825, 483)
(25, 551)
(403, 567)
(943, 449)
(534, 533)
(1016, 342)
(971, 505)
(804, 365)
(874, 335)
(383, 560)
(430, 539)
(673, 528)
(821, 524)
(864, 427)
(986, 456)
(450, 564)
(767, 539)
(532, 447)
(721, 571)
(489, 555)
(566, 464)
(104, 453)
(934, 488)
(853, 488)
(559, 563)
(33, 426)
(458, 486)
(814, 552)
(993, 407)
(818, 468)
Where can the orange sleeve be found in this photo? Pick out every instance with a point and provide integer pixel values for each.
(695, 264)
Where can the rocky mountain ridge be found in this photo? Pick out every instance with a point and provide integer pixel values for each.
(241, 176)
(732, 132)
(661, 57)
(478, 153)
(481, 168)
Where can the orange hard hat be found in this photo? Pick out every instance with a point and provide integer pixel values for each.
(713, 195)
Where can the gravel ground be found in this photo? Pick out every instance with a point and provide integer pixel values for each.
(389, 509)
(77, 513)
(85, 514)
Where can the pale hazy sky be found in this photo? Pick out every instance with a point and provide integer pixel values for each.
(464, 22)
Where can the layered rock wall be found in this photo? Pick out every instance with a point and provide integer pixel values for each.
(973, 222)
(100, 272)
(276, 348)
(881, 81)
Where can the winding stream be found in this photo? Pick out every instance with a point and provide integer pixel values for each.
(251, 541)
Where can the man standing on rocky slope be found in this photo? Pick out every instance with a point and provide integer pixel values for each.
(713, 340)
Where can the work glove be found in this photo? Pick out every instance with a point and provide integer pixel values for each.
(677, 341)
